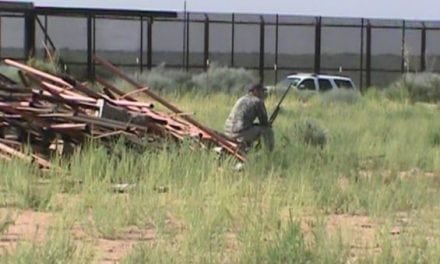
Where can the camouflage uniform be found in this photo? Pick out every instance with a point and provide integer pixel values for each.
(239, 124)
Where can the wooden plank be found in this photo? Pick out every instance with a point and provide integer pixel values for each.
(39, 73)
(220, 140)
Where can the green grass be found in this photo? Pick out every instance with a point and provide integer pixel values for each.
(381, 159)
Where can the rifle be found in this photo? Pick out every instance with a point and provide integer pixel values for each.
(278, 107)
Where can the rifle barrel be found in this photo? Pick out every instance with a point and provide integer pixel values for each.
(277, 108)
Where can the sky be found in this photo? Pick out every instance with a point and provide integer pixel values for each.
(392, 9)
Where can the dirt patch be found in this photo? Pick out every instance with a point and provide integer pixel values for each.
(112, 251)
(359, 231)
(23, 225)
(33, 226)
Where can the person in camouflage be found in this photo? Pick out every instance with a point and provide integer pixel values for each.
(240, 123)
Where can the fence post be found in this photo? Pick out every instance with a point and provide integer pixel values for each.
(261, 67)
(150, 43)
(184, 34)
(368, 56)
(276, 47)
(403, 59)
(1, 38)
(206, 44)
(317, 65)
(361, 78)
(141, 44)
(45, 27)
(232, 39)
(90, 47)
(29, 34)
(423, 49)
(187, 42)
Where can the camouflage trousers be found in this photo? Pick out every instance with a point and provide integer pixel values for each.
(255, 132)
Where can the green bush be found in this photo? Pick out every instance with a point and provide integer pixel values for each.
(223, 79)
(420, 87)
(216, 79)
(341, 96)
(161, 78)
(10, 72)
(50, 66)
(310, 132)
(303, 96)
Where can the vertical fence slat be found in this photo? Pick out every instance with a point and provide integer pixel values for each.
(368, 56)
(232, 39)
(276, 47)
(29, 34)
(206, 44)
(46, 29)
(361, 64)
(150, 43)
(317, 64)
(403, 48)
(1, 37)
(261, 66)
(90, 73)
(423, 49)
(184, 34)
(141, 45)
(187, 42)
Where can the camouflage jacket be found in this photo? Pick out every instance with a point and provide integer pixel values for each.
(243, 114)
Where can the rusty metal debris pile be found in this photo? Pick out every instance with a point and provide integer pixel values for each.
(47, 113)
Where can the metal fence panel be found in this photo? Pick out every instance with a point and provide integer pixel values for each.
(373, 51)
(196, 43)
(168, 43)
(296, 47)
(433, 50)
(11, 41)
(220, 43)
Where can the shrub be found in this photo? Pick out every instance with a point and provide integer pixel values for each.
(160, 79)
(341, 96)
(303, 96)
(310, 132)
(420, 87)
(216, 79)
(231, 80)
(51, 66)
(10, 72)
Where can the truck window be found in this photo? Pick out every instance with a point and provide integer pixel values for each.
(344, 84)
(324, 84)
(307, 84)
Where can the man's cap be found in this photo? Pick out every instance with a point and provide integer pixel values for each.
(256, 87)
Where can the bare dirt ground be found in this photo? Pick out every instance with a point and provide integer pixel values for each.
(358, 232)
(33, 226)
(26, 225)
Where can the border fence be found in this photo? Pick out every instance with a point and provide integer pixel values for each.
(371, 51)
